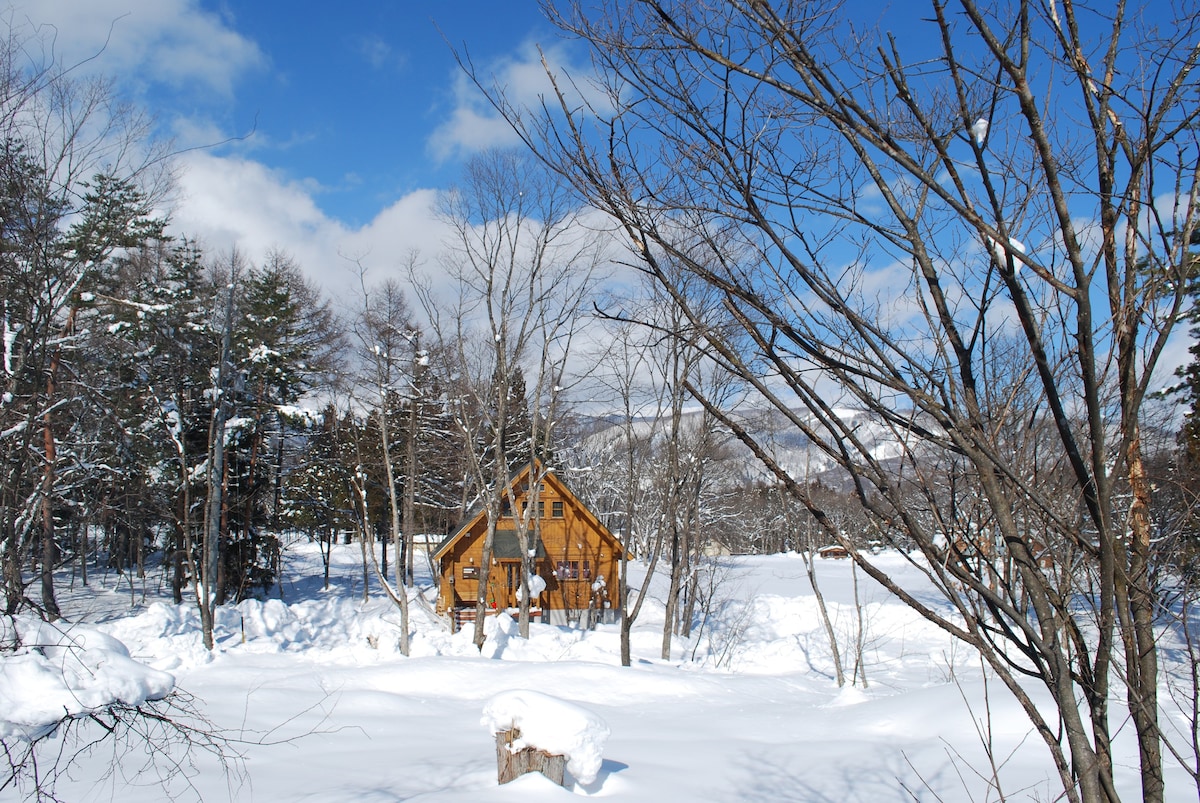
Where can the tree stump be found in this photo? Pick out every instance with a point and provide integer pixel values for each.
(511, 765)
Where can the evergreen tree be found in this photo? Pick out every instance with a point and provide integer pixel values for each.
(153, 342)
(509, 411)
(285, 344)
(317, 498)
(32, 300)
(1176, 508)
(47, 400)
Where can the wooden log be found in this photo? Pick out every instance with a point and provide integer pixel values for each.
(511, 765)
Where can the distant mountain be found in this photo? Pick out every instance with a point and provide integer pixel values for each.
(786, 443)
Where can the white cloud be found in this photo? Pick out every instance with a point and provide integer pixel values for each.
(166, 41)
(229, 202)
(471, 127)
(474, 125)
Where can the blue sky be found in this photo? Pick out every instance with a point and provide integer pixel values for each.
(340, 121)
(357, 96)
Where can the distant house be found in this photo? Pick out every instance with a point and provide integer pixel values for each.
(715, 548)
(574, 554)
(833, 551)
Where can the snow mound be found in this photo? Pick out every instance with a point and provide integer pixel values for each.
(56, 672)
(552, 725)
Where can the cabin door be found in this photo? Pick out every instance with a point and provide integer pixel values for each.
(512, 581)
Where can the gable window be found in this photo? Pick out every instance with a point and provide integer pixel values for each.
(556, 509)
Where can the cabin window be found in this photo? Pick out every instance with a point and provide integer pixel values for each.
(541, 510)
(570, 570)
(556, 509)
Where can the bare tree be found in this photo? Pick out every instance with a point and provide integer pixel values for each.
(879, 217)
(797, 519)
(388, 339)
(215, 476)
(628, 371)
(521, 268)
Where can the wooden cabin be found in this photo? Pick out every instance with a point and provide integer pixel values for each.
(574, 553)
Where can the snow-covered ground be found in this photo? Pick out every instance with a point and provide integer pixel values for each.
(319, 705)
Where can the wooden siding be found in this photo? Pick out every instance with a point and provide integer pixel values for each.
(573, 548)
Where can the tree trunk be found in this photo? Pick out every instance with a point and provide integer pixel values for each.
(485, 578)
(1142, 660)
(511, 765)
(176, 562)
(672, 606)
(400, 597)
(688, 614)
(49, 603)
(214, 511)
(409, 523)
(626, 628)
(83, 554)
(835, 652)
(860, 665)
(366, 562)
(327, 554)
(13, 590)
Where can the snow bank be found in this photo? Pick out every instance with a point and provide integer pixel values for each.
(552, 725)
(56, 672)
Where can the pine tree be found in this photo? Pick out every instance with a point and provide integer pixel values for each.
(508, 412)
(285, 344)
(32, 300)
(154, 339)
(317, 498)
(47, 401)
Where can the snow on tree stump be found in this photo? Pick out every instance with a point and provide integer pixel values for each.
(539, 733)
(512, 763)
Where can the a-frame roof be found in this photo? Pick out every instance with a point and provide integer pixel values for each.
(515, 481)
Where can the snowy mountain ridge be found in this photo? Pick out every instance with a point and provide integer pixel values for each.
(786, 443)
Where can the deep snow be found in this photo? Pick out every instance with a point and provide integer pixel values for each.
(320, 706)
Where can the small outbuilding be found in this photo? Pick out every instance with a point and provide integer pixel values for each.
(715, 548)
(575, 555)
(836, 551)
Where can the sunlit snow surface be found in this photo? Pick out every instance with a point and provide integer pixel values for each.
(745, 710)
(59, 670)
